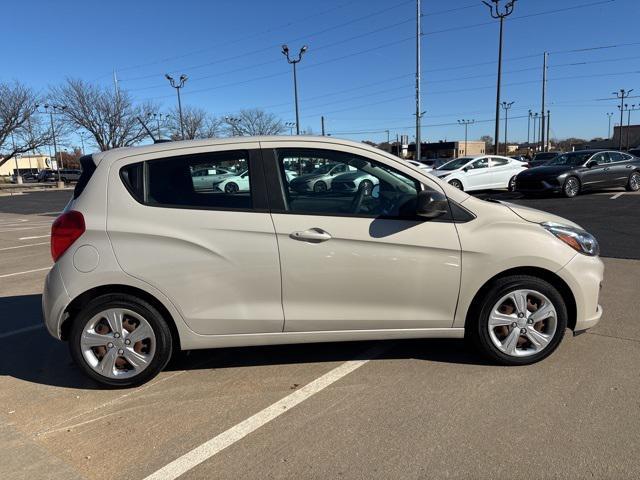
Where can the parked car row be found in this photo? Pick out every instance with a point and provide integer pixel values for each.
(480, 173)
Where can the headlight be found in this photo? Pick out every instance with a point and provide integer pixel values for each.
(577, 239)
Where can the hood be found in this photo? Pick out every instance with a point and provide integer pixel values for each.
(442, 173)
(306, 177)
(546, 170)
(538, 216)
(345, 177)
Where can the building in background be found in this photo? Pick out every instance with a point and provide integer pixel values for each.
(431, 151)
(26, 164)
(634, 136)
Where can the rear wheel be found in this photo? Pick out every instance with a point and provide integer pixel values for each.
(520, 320)
(633, 185)
(120, 340)
(231, 187)
(457, 184)
(571, 187)
(320, 187)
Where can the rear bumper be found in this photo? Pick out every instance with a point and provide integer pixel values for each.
(55, 299)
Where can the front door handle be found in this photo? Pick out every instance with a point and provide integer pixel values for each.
(629, 166)
(313, 235)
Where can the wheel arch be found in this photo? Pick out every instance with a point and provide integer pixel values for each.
(85, 297)
(547, 275)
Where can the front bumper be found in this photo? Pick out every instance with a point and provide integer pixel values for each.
(584, 276)
(55, 299)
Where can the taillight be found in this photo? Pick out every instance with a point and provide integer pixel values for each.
(65, 230)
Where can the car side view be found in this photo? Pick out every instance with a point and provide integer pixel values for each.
(581, 171)
(480, 173)
(147, 264)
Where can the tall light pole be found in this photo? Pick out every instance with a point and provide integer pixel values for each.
(507, 106)
(500, 15)
(418, 113)
(178, 85)
(622, 94)
(466, 124)
(609, 115)
(529, 129)
(544, 92)
(233, 121)
(290, 126)
(52, 110)
(294, 62)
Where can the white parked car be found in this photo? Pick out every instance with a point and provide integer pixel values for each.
(206, 178)
(163, 266)
(320, 179)
(480, 173)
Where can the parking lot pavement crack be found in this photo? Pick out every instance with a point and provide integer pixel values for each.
(627, 339)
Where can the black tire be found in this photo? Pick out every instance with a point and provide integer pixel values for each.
(477, 330)
(568, 189)
(633, 184)
(320, 187)
(512, 184)
(159, 325)
(366, 186)
(231, 188)
(457, 184)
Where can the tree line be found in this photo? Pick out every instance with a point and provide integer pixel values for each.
(109, 118)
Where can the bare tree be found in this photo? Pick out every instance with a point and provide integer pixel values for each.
(254, 122)
(109, 116)
(197, 124)
(21, 130)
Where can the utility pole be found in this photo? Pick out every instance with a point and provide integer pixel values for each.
(499, 15)
(544, 93)
(398, 149)
(529, 129)
(294, 62)
(466, 124)
(322, 124)
(609, 115)
(622, 94)
(507, 106)
(51, 110)
(178, 85)
(548, 129)
(419, 112)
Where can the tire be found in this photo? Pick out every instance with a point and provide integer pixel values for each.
(551, 329)
(512, 184)
(231, 188)
(633, 185)
(457, 184)
(366, 186)
(320, 187)
(156, 353)
(571, 187)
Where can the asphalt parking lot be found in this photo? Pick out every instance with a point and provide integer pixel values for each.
(399, 409)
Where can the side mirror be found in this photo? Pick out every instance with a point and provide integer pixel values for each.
(465, 169)
(592, 163)
(431, 204)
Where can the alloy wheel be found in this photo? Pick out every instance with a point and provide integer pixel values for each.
(634, 182)
(571, 187)
(522, 323)
(118, 343)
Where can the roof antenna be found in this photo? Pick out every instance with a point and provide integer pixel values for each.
(155, 140)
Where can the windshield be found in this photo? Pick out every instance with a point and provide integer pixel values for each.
(455, 164)
(545, 156)
(323, 168)
(572, 159)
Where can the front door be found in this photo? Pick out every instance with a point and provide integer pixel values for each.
(596, 176)
(355, 257)
(478, 175)
(213, 254)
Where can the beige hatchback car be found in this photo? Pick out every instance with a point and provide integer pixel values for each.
(146, 263)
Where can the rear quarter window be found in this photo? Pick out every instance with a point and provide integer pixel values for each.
(88, 168)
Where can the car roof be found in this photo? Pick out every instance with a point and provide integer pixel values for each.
(175, 146)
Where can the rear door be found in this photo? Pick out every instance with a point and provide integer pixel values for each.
(620, 169)
(212, 253)
(502, 169)
(357, 260)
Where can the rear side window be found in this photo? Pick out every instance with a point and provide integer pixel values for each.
(88, 167)
(219, 180)
(498, 162)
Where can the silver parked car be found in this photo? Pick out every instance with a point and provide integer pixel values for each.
(163, 266)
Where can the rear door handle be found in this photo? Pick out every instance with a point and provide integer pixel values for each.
(313, 235)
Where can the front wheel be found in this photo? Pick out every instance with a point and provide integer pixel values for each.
(633, 185)
(457, 184)
(120, 341)
(512, 184)
(520, 320)
(231, 188)
(320, 187)
(571, 187)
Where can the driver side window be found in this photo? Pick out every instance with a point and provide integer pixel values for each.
(364, 188)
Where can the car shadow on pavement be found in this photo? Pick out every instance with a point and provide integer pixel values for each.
(34, 356)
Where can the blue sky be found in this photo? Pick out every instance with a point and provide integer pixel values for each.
(359, 69)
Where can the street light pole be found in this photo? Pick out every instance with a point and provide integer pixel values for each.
(233, 121)
(418, 114)
(544, 93)
(507, 106)
(294, 62)
(51, 110)
(178, 85)
(529, 129)
(499, 15)
(609, 115)
(466, 124)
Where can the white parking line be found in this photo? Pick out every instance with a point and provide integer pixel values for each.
(21, 330)
(44, 225)
(33, 238)
(617, 195)
(22, 273)
(218, 443)
(23, 246)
